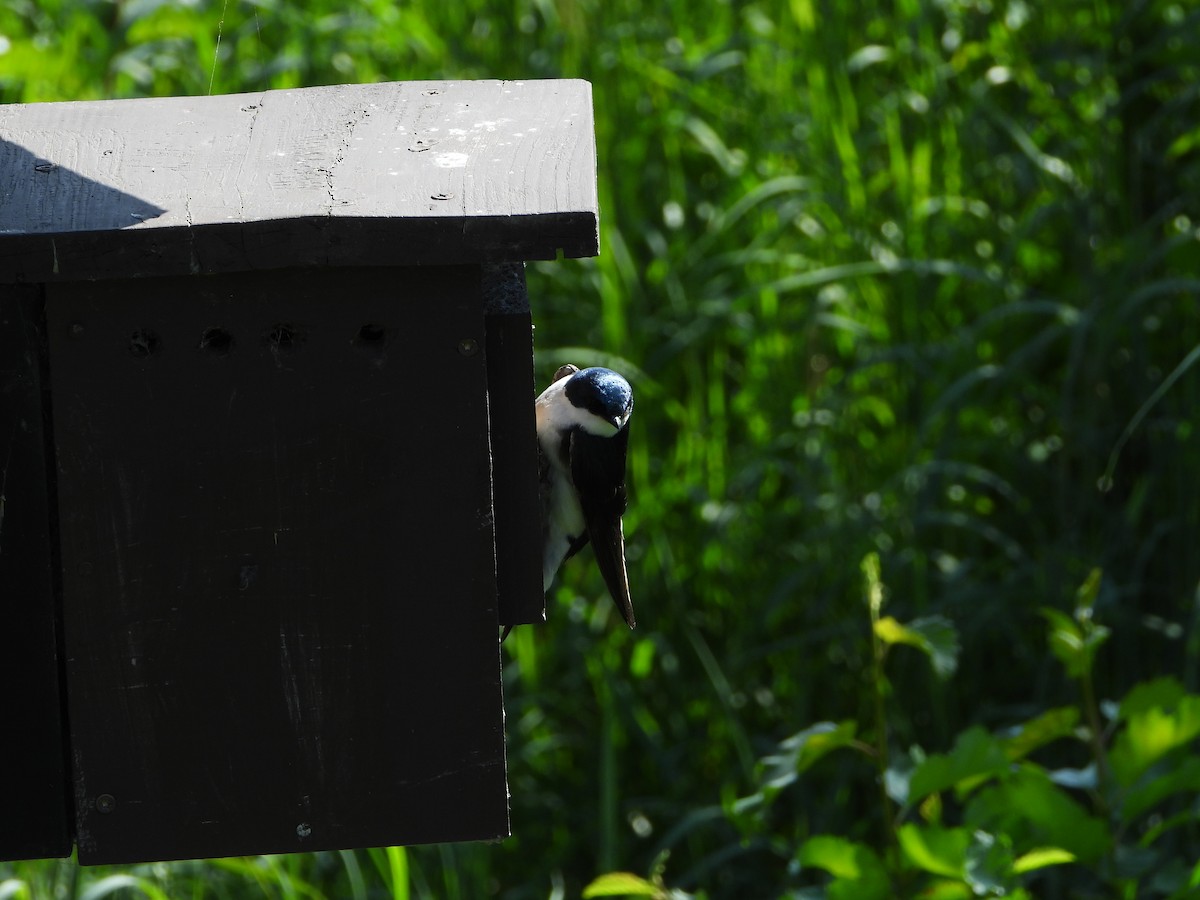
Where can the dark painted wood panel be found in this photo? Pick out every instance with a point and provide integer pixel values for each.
(278, 553)
(378, 174)
(33, 781)
(514, 446)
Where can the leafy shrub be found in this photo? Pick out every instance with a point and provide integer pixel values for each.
(986, 818)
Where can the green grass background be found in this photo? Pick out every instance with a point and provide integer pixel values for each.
(913, 278)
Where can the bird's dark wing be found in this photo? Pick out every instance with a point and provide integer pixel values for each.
(598, 471)
(576, 545)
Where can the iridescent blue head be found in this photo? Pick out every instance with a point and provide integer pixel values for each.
(603, 393)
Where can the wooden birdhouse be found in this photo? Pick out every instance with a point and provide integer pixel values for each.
(269, 478)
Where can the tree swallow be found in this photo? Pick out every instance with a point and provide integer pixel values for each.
(583, 436)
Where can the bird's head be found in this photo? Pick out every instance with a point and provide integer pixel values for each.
(603, 397)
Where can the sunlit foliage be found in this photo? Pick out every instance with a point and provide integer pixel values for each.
(911, 282)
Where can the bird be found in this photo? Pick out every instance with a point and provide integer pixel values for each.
(583, 438)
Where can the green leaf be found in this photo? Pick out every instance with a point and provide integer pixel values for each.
(1035, 812)
(621, 884)
(837, 856)
(1171, 879)
(1184, 819)
(948, 890)
(397, 870)
(872, 583)
(1189, 888)
(856, 869)
(1135, 862)
(1185, 143)
(1049, 726)
(1066, 640)
(931, 809)
(813, 743)
(732, 161)
(1085, 597)
(110, 885)
(869, 56)
(1074, 644)
(803, 749)
(989, 863)
(976, 756)
(1040, 858)
(1184, 778)
(935, 636)
(898, 775)
(1161, 693)
(641, 661)
(1078, 779)
(1152, 733)
(942, 851)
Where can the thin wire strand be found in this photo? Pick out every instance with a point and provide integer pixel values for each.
(217, 49)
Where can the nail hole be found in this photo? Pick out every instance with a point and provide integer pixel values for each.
(216, 341)
(283, 336)
(143, 343)
(247, 575)
(372, 340)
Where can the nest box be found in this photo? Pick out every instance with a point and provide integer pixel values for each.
(269, 477)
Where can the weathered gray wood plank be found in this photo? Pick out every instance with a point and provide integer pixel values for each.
(380, 174)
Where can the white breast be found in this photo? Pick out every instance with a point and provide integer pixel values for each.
(555, 417)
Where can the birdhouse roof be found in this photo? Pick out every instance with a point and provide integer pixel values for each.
(402, 173)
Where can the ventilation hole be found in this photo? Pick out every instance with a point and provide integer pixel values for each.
(216, 341)
(372, 335)
(143, 343)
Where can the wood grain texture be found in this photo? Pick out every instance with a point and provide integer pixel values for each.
(33, 779)
(381, 174)
(279, 562)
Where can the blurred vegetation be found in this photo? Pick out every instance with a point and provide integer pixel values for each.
(908, 292)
